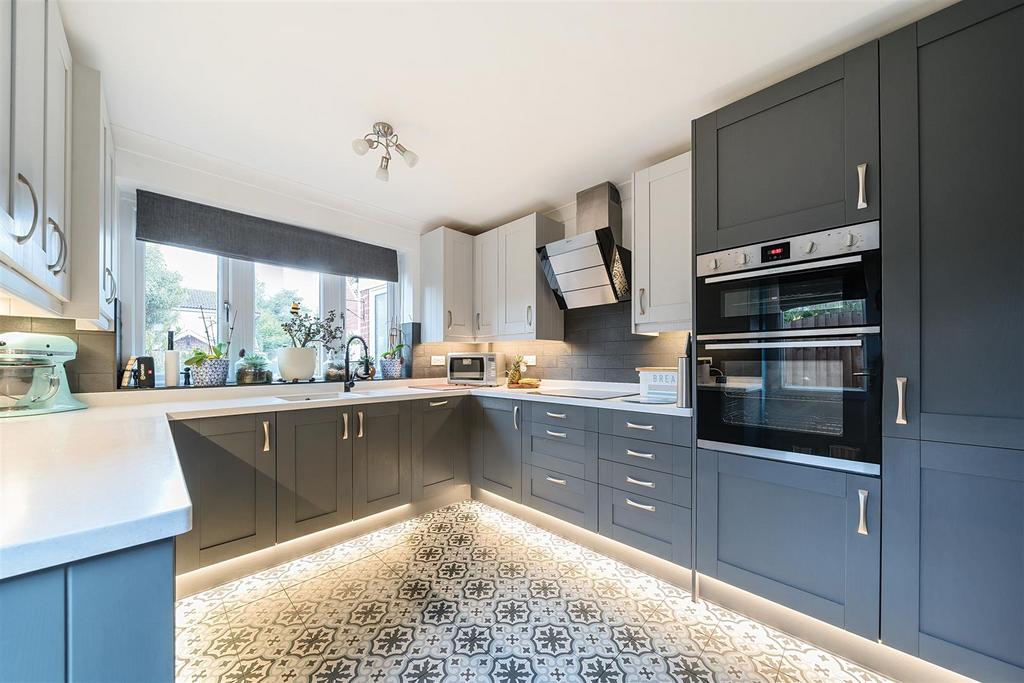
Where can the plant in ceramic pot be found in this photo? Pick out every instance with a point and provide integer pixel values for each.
(391, 360)
(305, 330)
(210, 367)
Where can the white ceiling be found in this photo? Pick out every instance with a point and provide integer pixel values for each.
(512, 107)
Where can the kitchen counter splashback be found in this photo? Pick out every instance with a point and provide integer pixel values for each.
(83, 483)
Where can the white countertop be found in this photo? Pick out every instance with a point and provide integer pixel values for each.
(83, 483)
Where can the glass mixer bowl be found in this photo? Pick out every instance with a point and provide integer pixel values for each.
(27, 384)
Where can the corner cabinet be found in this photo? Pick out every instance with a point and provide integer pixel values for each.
(230, 467)
(799, 156)
(446, 279)
(381, 457)
(953, 446)
(496, 447)
(663, 247)
(94, 263)
(803, 537)
(485, 284)
(440, 438)
(314, 470)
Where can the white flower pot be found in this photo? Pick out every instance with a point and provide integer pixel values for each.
(295, 363)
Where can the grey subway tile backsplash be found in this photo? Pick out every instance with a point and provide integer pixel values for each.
(598, 346)
(95, 367)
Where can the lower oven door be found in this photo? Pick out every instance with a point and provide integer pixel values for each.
(811, 400)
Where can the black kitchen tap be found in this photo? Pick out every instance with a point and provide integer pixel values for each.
(349, 382)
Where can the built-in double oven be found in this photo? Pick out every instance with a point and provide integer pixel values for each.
(789, 349)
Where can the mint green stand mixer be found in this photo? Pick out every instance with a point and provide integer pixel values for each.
(32, 376)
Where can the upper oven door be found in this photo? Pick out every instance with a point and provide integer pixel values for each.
(807, 396)
(830, 294)
(462, 369)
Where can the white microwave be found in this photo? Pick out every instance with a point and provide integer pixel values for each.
(483, 369)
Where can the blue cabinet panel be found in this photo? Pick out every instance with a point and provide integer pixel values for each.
(32, 627)
(792, 534)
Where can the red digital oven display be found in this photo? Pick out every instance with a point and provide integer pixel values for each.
(775, 252)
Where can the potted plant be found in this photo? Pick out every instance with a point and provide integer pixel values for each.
(391, 360)
(364, 361)
(210, 367)
(298, 362)
(253, 368)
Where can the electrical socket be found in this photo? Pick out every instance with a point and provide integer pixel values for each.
(530, 360)
(437, 360)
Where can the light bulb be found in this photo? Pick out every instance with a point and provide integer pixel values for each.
(360, 146)
(410, 157)
(382, 170)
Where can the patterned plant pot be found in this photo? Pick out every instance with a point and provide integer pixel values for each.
(391, 368)
(212, 372)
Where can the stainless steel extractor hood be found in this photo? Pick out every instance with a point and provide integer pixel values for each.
(591, 268)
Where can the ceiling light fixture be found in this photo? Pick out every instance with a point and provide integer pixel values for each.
(384, 135)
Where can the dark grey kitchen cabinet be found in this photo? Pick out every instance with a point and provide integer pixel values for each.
(229, 464)
(103, 618)
(800, 536)
(381, 457)
(953, 556)
(799, 156)
(496, 447)
(440, 445)
(314, 470)
(952, 106)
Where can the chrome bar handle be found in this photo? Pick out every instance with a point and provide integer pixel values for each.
(646, 428)
(648, 508)
(108, 273)
(435, 404)
(57, 264)
(21, 239)
(862, 525)
(344, 426)
(862, 196)
(478, 320)
(631, 480)
(266, 436)
(560, 435)
(560, 482)
(360, 434)
(901, 400)
(450, 320)
(643, 311)
(529, 316)
(636, 454)
(515, 417)
(557, 416)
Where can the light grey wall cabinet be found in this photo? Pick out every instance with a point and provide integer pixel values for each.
(496, 461)
(440, 445)
(560, 474)
(953, 556)
(314, 470)
(105, 618)
(951, 236)
(800, 536)
(381, 457)
(799, 156)
(230, 466)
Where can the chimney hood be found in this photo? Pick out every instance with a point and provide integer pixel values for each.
(591, 268)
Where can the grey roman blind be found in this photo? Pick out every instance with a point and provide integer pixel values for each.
(180, 223)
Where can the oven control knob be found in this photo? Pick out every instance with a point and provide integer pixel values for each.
(851, 239)
(742, 259)
(810, 247)
(714, 264)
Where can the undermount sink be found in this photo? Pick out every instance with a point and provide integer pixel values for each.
(296, 398)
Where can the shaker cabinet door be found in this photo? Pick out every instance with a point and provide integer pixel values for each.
(517, 276)
(496, 447)
(485, 284)
(314, 470)
(381, 457)
(799, 156)
(439, 445)
(229, 465)
(804, 537)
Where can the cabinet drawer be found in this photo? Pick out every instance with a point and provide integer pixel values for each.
(569, 498)
(574, 417)
(648, 454)
(575, 455)
(229, 424)
(645, 482)
(647, 426)
(428, 405)
(647, 524)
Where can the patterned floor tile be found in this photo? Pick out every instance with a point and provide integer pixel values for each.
(468, 593)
